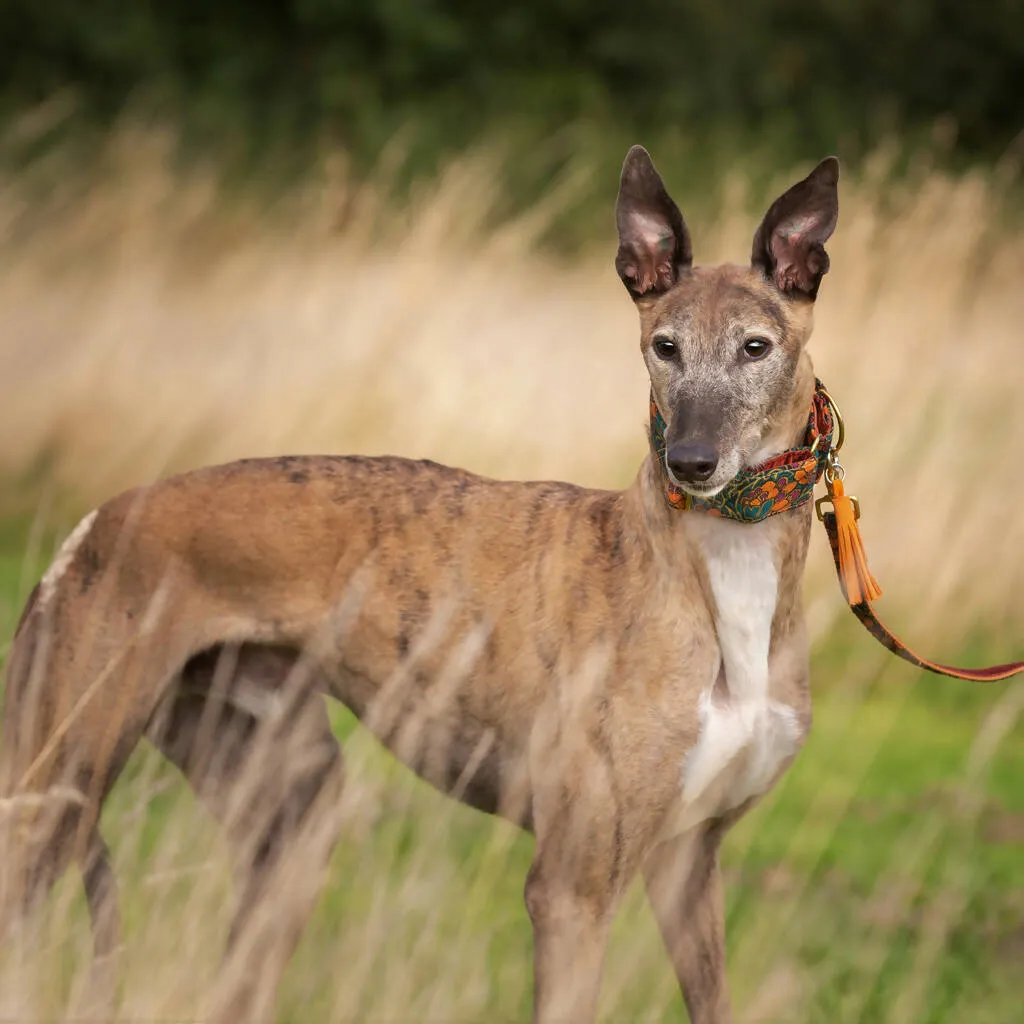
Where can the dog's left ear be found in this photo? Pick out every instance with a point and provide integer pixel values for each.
(789, 247)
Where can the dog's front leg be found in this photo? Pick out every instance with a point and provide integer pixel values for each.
(581, 864)
(570, 933)
(684, 885)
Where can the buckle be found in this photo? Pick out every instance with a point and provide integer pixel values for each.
(828, 498)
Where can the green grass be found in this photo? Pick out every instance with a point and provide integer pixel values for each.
(883, 879)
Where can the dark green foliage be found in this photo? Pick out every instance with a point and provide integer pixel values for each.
(814, 74)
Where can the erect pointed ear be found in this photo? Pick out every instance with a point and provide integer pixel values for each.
(654, 245)
(789, 246)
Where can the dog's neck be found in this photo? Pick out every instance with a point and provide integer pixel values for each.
(749, 572)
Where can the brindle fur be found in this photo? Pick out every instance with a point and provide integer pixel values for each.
(539, 650)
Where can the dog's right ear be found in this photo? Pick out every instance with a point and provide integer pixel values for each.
(654, 245)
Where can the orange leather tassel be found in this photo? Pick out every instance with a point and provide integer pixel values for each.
(853, 561)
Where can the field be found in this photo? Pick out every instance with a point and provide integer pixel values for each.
(148, 327)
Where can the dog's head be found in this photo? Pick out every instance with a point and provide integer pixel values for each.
(725, 345)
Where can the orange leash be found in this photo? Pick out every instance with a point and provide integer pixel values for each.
(860, 587)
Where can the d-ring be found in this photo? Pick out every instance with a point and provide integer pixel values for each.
(838, 416)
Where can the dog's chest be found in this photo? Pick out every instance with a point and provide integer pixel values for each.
(745, 736)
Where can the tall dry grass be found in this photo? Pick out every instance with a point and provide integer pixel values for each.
(147, 325)
(147, 328)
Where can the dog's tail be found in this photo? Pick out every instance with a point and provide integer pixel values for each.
(41, 812)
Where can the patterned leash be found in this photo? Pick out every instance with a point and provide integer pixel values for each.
(859, 586)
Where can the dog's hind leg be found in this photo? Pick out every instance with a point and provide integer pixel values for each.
(249, 729)
(101, 894)
(55, 825)
(68, 729)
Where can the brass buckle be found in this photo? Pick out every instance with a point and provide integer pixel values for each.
(828, 498)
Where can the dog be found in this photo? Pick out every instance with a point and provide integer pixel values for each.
(621, 677)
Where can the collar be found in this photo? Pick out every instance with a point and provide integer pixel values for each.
(783, 482)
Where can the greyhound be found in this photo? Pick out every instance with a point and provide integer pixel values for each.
(622, 673)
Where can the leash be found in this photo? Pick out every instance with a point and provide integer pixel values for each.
(859, 587)
(787, 481)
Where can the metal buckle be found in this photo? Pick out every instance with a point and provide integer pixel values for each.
(828, 498)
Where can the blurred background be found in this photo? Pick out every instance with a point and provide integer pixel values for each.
(288, 226)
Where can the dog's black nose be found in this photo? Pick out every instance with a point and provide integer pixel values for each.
(692, 463)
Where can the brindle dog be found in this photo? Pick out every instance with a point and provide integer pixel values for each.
(619, 677)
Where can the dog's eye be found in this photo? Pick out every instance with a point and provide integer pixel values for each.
(665, 348)
(756, 348)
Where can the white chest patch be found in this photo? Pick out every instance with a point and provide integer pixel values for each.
(744, 735)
